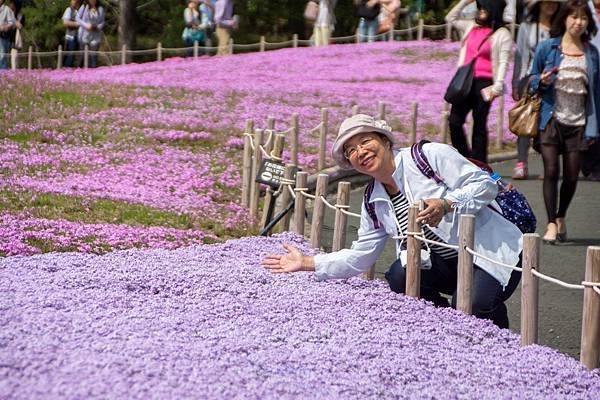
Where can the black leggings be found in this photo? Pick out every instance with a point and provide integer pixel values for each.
(571, 166)
(458, 115)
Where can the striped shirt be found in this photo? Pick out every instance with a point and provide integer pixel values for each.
(400, 204)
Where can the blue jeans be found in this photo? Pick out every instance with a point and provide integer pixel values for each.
(367, 29)
(70, 45)
(4, 53)
(488, 294)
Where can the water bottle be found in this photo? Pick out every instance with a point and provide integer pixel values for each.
(503, 186)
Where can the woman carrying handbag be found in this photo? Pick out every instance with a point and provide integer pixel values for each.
(534, 30)
(565, 73)
(486, 40)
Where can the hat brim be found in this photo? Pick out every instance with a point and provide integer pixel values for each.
(337, 151)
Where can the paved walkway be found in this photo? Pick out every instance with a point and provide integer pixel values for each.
(560, 309)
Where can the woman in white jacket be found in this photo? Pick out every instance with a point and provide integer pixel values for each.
(366, 145)
(489, 42)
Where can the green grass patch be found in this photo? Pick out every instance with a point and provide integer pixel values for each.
(85, 210)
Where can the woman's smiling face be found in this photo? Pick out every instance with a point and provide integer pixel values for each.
(367, 152)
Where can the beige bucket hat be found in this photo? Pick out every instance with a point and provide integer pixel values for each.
(359, 123)
(531, 3)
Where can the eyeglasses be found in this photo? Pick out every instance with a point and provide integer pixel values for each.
(350, 152)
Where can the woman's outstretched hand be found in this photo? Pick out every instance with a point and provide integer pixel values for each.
(292, 261)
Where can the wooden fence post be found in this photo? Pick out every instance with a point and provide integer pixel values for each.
(271, 137)
(341, 219)
(420, 30)
(269, 198)
(124, 54)
(195, 49)
(14, 63)
(414, 115)
(322, 139)
(529, 289)
(391, 34)
(413, 247)
(381, 110)
(247, 164)
(300, 206)
(255, 188)
(464, 287)
(295, 41)
(294, 139)
(357, 36)
(500, 123)
(284, 223)
(590, 321)
(316, 224)
(448, 31)
(444, 125)
(86, 56)
(59, 57)
(262, 44)
(29, 58)
(159, 51)
(231, 46)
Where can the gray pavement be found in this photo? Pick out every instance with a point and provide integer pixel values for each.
(560, 308)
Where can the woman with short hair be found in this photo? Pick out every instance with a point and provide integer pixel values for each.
(366, 145)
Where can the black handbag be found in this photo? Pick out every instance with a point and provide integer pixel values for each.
(462, 81)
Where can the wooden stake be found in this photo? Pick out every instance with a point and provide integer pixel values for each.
(414, 115)
(59, 58)
(124, 54)
(285, 197)
(464, 287)
(294, 139)
(255, 187)
(530, 289)
(86, 56)
(247, 164)
(262, 44)
(269, 198)
(159, 51)
(318, 211)
(341, 219)
(300, 206)
(295, 41)
(420, 30)
(413, 247)
(322, 139)
(29, 58)
(381, 110)
(195, 49)
(448, 31)
(590, 321)
(355, 109)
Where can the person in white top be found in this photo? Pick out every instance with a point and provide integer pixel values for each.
(7, 24)
(71, 34)
(325, 22)
(366, 145)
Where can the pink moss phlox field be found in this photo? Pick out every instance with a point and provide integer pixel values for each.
(16, 231)
(208, 322)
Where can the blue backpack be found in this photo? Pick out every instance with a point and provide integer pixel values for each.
(513, 204)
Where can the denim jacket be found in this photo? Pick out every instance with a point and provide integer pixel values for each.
(549, 55)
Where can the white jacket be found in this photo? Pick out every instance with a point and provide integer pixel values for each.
(470, 188)
(501, 45)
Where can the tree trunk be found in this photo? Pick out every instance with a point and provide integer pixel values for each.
(127, 20)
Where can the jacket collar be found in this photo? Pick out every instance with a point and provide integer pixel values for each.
(379, 193)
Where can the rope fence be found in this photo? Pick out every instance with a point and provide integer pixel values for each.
(158, 52)
(298, 190)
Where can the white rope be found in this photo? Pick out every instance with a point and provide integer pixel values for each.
(350, 213)
(441, 244)
(287, 131)
(291, 191)
(303, 192)
(336, 207)
(433, 28)
(407, 30)
(270, 137)
(274, 157)
(264, 152)
(251, 139)
(591, 284)
(316, 128)
(246, 46)
(597, 290)
(474, 253)
(554, 280)
(328, 204)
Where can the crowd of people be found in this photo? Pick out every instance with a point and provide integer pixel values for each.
(12, 22)
(557, 60)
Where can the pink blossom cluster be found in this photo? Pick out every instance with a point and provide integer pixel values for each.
(19, 233)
